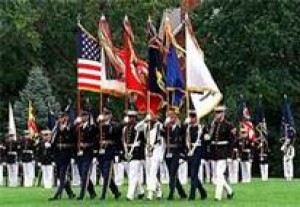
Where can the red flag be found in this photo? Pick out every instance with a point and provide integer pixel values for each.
(136, 69)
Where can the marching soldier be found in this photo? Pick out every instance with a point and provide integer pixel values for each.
(205, 165)
(233, 164)
(263, 159)
(107, 150)
(288, 157)
(45, 157)
(2, 161)
(194, 136)
(134, 144)
(12, 160)
(27, 159)
(86, 142)
(222, 133)
(63, 142)
(175, 147)
(246, 157)
(155, 154)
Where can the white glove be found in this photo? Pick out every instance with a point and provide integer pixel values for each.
(72, 161)
(53, 164)
(167, 121)
(187, 120)
(100, 118)
(206, 137)
(116, 159)
(39, 164)
(78, 120)
(94, 160)
(47, 145)
(126, 119)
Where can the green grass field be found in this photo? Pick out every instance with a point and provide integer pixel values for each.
(273, 193)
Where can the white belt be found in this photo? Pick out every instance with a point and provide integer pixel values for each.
(28, 151)
(219, 142)
(246, 150)
(12, 153)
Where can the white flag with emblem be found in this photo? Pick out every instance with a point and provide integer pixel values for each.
(205, 92)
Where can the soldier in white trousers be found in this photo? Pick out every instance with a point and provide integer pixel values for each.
(234, 162)
(2, 162)
(263, 159)
(27, 158)
(205, 168)
(46, 159)
(154, 155)
(222, 134)
(93, 173)
(246, 159)
(288, 157)
(12, 157)
(133, 141)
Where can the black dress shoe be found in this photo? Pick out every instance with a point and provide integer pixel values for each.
(72, 196)
(55, 197)
(93, 196)
(80, 198)
(170, 198)
(204, 196)
(230, 196)
(141, 196)
(117, 195)
(184, 196)
(191, 198)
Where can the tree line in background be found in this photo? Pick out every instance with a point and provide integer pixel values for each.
(250, 47)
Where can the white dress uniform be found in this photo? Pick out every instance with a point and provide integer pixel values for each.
(155, 154)
(133, 139)
(12, 148)
(221, 137)
(246, 163)
(288, 165)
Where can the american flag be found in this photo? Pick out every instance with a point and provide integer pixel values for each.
(88, 64)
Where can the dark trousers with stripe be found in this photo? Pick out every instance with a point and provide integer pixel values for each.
(105, 166)
(84, 164)
(64, 182)
(194, 163)
(173, 165)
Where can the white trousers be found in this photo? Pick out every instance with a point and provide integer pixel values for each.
(164, 173)
(1, 175)
(93, 173)
(221, 182)
(246, 171)
(152, 168)
(288, 169)
(213, 165)
(264, 171)
(47, 175)
(75, 174)
(13, 171)
(183, 172)
(119, 173)
(28, 173)
(233, 171)
(134, 178)
(204, 171)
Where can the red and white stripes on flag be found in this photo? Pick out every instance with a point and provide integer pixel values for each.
(89, 62)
